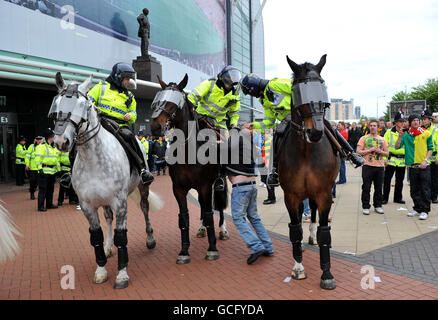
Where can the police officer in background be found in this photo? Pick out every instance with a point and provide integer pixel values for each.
(395, 162)
(217, 100)
(64, 162)
(31, 166)
(46, 158)
(20, 163)
(144, 142)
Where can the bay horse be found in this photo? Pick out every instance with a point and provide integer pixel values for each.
(174, 112)
(101, 175)
(308, 165)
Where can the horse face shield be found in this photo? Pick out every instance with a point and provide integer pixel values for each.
(167, 102)
(311, 99)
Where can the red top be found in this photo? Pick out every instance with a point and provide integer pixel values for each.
(344, 134)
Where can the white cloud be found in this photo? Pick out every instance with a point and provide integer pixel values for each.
(374, 48)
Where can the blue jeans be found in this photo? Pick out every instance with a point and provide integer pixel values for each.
(342, 178)
(306, 206)
(244, 205)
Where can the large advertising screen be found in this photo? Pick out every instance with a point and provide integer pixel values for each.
(192, 32)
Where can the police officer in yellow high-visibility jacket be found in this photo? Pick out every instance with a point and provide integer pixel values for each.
(395, 162)
(64, 162)
(426, 121)
(144, 142)
(46, 158)
(218, 101)
(118, 103)
(218, 98)
(31, 166)
(20, 155)
(275, 96)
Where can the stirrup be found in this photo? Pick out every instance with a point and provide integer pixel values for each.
(146, 177)
(219, 184)
(272, 179)
(65, 180)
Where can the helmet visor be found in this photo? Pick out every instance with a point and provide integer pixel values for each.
(231, 77)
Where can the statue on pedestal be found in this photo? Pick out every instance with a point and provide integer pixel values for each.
(144, 31)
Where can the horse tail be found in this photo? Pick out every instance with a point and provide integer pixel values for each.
(155, 201)
(8, 244)
(220, 198)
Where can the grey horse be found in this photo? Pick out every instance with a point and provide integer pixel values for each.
(101, 175)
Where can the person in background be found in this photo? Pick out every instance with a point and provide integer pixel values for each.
(46, 158)
(31, 166)
(20, 163)
(267, 148)
(159, 154)
(342, 173)
(145, 143)
(389, 125)
(354, 135)
(427, 123)
(364, 127)
(382, 127)
(64, 161)
(373, 148)
(435, 119)
(395, 162)
(418, 150)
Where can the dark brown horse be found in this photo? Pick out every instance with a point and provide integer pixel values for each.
(172, 110)
(308, 166)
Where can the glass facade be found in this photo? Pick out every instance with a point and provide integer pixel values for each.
(241, 50)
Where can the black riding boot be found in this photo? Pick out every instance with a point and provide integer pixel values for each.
(348, 151)
(272, 179)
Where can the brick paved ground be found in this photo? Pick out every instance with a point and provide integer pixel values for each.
(60, 237)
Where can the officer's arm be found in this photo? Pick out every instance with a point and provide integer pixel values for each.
(27, 156)
(133, 112)
(234, 113)
(199, 92)
(267, 123)
(38, 157)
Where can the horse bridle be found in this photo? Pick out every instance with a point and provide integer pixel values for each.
(69, 91)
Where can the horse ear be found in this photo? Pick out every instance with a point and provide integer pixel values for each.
(320, 64)
(292, 65)
(183, 83)
(59, 81)
(85, 86)
(162, 83)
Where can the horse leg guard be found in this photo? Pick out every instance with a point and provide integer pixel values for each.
(212, 253)
(183, 223)
(120, 241)
(96, 240)
(296, 237)
(324, 242)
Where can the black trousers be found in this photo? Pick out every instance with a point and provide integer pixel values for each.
(399, 177)
(19, 174)
(271, 190)
(420, 188)
(372, 175)
(46, 185)
(33, 180)
(434, 181)
(161, 165)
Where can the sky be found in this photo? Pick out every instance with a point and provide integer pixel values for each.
(374, 48)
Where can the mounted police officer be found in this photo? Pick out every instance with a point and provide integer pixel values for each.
(20, 155)
(275, 96)
(46, 158)
(31, 165)
(395, 162)
(216, 101)
(117, 103)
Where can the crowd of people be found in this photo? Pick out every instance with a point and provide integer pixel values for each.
(406, 147)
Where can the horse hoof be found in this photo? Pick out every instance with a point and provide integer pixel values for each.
(223, 235)
(212, 255)
(298, 274)
(121, 284)
(151, 244)
(100, 278)
(313, 241)
(183, 259)
(328, 284)
(202, 232)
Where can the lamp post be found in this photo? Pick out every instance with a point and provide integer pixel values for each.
(377, 115)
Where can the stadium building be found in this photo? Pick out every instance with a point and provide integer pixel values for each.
(83, 37)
